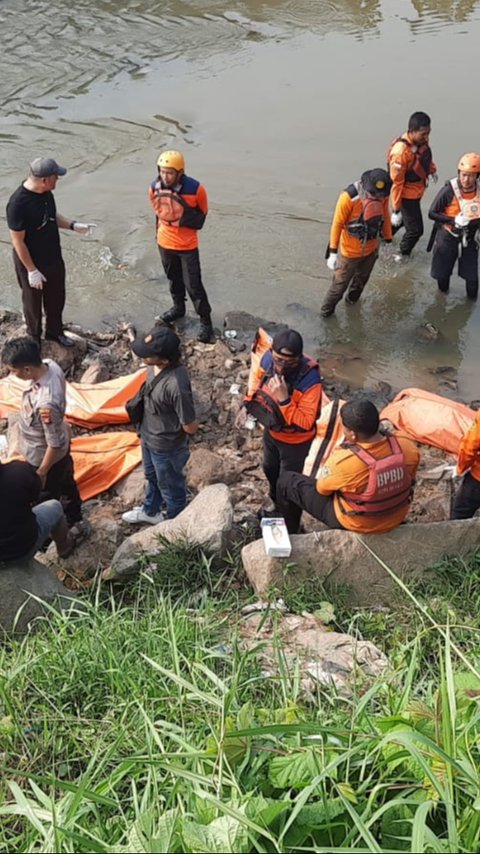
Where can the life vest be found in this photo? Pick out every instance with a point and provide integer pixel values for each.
(169, 205)
(370, 222)
(419, 170)
(264, 407)
(468, 207)
(389, 483)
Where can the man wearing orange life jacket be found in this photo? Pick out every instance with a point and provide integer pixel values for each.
(467, 500)
(366, 484)
(456, 213)
(361, 218)
(287, 403)
(410, 164)
(181, 206)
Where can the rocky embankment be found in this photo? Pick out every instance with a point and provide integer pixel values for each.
(220, 453)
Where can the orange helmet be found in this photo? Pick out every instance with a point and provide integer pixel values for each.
(171, 160)
(469, 163)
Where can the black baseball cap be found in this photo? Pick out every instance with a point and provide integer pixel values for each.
(288, 340)
(161, 342)
(44, 167)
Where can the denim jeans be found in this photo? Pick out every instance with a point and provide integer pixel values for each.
(164, 473)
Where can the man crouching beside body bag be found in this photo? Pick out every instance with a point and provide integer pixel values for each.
(287, 403)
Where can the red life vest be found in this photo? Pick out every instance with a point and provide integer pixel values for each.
(169, 206)
(389, 483)
(420, 168)
(370, 222)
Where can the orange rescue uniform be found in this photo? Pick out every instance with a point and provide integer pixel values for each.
(174, 236)
(401, 159)
(347, 210)
(345, 472)
(469, 451)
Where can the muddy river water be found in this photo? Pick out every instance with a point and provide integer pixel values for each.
(277, 105)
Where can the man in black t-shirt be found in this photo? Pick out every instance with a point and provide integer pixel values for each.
(24, 530)
(33, 222)
(168, 420)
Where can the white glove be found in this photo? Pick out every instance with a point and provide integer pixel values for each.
(434, 177)
(461, 221)
(36, 280)
(396, 218)
(85, 228)
(332, 261)
(451, 471)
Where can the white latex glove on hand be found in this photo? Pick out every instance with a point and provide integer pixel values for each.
(332, 261)
(461, 221)
(85, 228)
(434, 177)
(451, 471)
(36, 280)
(396, 218)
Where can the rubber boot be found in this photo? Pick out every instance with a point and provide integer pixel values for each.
(443, 285)
(176, 312)
(206, 330)
(472, 288)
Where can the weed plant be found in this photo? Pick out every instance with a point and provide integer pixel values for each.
(143, 725)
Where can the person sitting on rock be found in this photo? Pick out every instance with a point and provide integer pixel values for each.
(44, 433)
(287, 403)
(467, 500)
(23, 529)
(366, 484)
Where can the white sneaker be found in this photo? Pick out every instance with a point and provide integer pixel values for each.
(400, 259)
(136, 516)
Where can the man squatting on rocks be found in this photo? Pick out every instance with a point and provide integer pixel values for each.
(23, 530)
(366, 484)
(37, 255)
(455, 211)
(361, 218)
(467, 500)
(44, 432)
(287, 401)
(164, 423)
(181, 206)
(410, 164)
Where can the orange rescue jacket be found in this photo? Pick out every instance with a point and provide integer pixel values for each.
(180, 212)
(349, 231)
(469, 451)
(409, 166)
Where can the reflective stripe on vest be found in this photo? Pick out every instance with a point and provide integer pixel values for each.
(370, 222)
(420, 168)
(468, 207)
(389, 483)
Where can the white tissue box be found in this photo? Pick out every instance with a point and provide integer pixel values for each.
(275, 538)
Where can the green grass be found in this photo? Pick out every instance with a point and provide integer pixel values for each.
(142, 725)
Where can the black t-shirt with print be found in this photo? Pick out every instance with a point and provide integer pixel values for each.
(36, 215)
(19, 487)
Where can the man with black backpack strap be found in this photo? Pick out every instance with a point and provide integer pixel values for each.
(287, 403)
(164, 415)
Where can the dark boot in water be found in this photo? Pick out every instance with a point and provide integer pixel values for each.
(472, 288)
(206, 330)
(176, 312)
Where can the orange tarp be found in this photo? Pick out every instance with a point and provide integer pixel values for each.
(429, 418)
(102, 459)
(87, 405)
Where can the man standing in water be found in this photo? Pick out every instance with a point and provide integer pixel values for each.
(361, 219)
(410, 164)
(456, 213)
(181, 206)
(34, 222)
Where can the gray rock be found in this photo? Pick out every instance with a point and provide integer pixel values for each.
(320, 656)
(22, 584)
(97, 372)
(204, 468)
(66, 357)
(207, 521)
(246, 324)
(340, 558)
(91, 555)
(131, 489)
